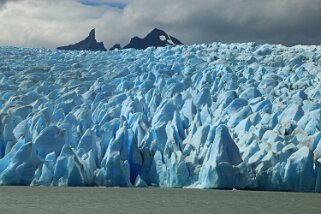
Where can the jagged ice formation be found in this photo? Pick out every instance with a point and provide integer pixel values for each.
(204, 116)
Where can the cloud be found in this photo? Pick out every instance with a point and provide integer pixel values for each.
(275, 21)
(4, 2)
(109, 3)
(47, 23)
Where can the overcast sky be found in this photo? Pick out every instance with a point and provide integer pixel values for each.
(52, 23)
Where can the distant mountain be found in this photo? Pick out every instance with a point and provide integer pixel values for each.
(116, 46)
(89, 43)
(156, 38)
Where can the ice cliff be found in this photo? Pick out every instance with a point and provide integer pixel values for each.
(243, 116)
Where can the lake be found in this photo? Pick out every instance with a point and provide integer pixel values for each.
(76, 200)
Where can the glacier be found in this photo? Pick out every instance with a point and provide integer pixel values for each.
(242, 116)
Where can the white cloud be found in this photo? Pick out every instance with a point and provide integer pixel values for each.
(42, 23)
(47, 23)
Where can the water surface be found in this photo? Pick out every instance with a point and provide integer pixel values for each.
(75, 200)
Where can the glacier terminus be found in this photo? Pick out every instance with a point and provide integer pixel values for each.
(244, 116)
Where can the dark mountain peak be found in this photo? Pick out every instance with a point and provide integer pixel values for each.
(92, 34)
(135, 38)
(116, 46)
(89, 43)
(156, 38)
(157, 31)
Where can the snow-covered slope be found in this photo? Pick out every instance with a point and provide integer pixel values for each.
(203, 116)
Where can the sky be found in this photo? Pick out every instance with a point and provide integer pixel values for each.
(52, 23)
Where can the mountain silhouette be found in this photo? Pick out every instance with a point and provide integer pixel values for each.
(116, 46)
(89, 43)
(156, 38)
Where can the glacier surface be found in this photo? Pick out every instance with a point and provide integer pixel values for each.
(242, 116)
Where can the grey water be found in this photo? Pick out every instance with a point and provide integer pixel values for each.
(76, 200)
